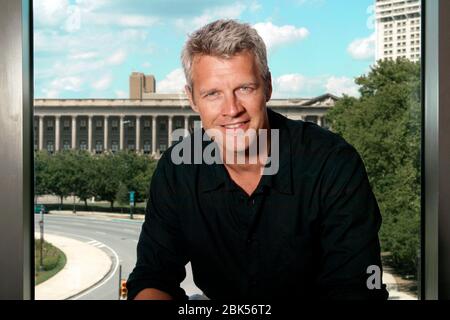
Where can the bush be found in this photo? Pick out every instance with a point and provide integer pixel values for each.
(94, 208)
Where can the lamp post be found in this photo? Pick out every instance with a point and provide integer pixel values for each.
(41, 225)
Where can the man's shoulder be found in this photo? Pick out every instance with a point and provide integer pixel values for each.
(309, 136)
(174, 166)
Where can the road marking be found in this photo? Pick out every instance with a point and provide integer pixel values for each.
(105, 280)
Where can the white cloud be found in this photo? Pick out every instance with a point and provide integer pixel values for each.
(117, 57)
(275, 36)
(297, 85)
(50, 12)
(311, 2)
(67, 83)
(120, 94)
(174, 82)
(300, 86)
(103, 83)
(342, 85)
(232, 11)
(58, 85)
(362, 49)
(255, 6)
(83, 55)
(122, 20)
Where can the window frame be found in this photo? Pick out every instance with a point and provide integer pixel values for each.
(16, 138)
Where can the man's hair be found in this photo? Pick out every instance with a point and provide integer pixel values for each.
(224, 39)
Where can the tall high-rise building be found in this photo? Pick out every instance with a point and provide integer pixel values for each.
(141, 85)
(398, 29)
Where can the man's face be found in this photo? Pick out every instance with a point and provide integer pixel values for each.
(229, 94)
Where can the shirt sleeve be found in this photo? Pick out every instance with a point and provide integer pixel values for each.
(161, 252)
(349, 225)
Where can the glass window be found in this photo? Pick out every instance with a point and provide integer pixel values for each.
(98, 146)
(376, 112)
(114, 146)
(50, 146)
(66, 145)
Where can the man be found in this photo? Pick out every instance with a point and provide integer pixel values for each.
(308, 231)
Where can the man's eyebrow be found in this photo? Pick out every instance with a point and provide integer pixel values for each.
(246, 84)
(202, 92)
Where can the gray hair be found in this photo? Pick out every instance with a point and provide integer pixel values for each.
(224, 38)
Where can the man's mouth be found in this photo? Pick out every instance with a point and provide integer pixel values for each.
(237, 125)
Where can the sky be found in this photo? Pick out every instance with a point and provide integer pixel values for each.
(88, 48)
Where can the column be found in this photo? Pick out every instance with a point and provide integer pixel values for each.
(138, 134)
(41, 133)
(121, 132)
(154, 135)
(57, 132)
(74, 132)
(169, 135)
(90, 133)
(105, 134)
(186, 125)
(319, 121)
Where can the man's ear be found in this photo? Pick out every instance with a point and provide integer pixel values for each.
(190, 96)
(269, 87)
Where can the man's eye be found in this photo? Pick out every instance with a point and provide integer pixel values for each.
(246, 89)
(212, 94)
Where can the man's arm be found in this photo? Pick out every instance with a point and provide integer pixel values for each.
(161, 251)
(153, 294)
(349, 223)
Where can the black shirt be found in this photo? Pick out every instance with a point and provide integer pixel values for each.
(309, 231)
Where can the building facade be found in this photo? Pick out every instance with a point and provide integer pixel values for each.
(398, 29)
(143, 125)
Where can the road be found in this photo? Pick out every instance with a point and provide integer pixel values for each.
(118, 238)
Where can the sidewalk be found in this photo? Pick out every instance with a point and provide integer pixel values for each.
(86, 266)
(97, 215)
(392, 287)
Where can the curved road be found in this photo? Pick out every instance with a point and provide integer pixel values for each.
(117, 237)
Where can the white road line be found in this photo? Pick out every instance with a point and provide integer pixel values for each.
(102, 282)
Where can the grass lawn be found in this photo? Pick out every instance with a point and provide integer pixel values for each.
(53, 261)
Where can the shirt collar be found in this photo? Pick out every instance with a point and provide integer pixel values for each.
(215, 175)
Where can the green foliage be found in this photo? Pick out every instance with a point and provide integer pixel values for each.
(85, 175)
(122, 195)
(384, 126)
(52, 262)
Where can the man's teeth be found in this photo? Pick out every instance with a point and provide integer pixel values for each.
(234, 126)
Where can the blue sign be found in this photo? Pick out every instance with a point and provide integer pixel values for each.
(132, 197)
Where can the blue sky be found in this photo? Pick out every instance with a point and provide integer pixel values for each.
(88, 48)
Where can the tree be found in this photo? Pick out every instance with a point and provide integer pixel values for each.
(82, 180)
(384, 125)
(41, 173)
(60, 175)
(106, 177)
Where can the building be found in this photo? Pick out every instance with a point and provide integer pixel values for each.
(142, 86)
(398, 29)
(143, 125)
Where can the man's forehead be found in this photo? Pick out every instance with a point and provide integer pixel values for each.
(211, 65)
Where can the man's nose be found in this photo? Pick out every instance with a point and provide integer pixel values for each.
(232, 106)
